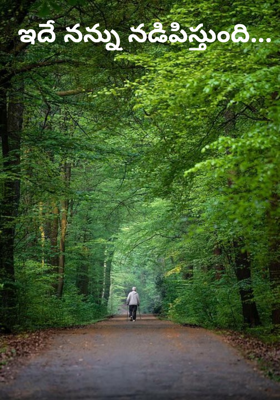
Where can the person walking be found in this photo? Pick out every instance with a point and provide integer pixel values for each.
(133, 301)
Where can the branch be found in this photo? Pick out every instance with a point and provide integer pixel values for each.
(73, 92)
(30, 67)
(143, 241)
(40, 65)
(18, 10)
(21, 46)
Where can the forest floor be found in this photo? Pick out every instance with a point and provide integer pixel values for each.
(146, 359)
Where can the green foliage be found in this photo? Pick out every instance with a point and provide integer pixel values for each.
(205, 301)
(39, 307)
(174, 159)
(214, 120)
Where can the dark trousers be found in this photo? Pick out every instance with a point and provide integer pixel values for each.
(132, 311)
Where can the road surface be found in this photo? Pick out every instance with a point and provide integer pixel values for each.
(148, 359)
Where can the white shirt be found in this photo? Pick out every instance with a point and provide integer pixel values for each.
(133, 299)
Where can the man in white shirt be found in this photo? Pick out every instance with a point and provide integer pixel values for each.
(133, 301)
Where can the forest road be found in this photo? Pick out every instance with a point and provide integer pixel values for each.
(147, 359)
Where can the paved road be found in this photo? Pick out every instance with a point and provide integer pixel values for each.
(147, 359)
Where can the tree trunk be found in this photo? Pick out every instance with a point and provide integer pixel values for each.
(54, 258)
(42, 233)
(11, 117)
(219, 267)
(63, 230)
(242, 259)
(274, 252)
(82, 277)
(243, 274)
(104, 274)
(82, 281)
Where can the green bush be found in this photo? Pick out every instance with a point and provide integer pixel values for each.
(39, 307)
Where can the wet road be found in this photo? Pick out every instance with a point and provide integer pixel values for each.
(147, 359)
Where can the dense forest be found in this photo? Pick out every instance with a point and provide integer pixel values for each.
(154, 166)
